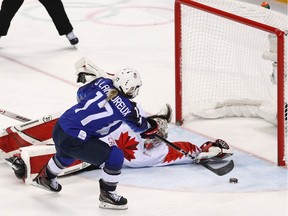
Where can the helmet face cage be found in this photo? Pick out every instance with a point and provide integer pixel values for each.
(162, 131)
(162, 127)
(128, 81)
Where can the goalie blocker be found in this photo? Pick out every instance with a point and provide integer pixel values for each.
(28, 148)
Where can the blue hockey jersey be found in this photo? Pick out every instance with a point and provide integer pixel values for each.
(94, 116)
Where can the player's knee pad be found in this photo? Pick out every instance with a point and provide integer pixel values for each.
(115, 160)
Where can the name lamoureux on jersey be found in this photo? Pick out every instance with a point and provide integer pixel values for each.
(101, 117)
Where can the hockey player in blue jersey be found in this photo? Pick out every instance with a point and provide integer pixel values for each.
(103, 105)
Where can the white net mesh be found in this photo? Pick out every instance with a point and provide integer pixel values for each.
(223, 59)
(223, 71)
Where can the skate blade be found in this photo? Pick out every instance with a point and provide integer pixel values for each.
(114, 207)
(35, 184)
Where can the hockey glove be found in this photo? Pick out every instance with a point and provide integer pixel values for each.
(87, 71)
(214, 150)
(221, 144)
(150, 133)
(81, 77)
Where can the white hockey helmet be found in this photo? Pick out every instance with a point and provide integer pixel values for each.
(128, 81)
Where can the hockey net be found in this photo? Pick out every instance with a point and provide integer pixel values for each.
(231, 60)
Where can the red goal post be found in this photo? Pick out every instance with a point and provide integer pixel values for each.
(226, 63)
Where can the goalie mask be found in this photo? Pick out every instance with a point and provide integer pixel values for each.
(162, 131)
(128, 82)
(162, 120)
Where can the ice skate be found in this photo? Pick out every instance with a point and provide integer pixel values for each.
(44, 182)
(111, 200)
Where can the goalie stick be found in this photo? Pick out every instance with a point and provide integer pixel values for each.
(218, 171)
(21, 139)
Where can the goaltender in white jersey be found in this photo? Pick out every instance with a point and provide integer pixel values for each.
(140, 152)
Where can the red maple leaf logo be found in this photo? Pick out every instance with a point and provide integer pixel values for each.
(172, 154)
(127, 145)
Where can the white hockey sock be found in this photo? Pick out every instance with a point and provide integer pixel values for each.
(54, 168)
(110, 178)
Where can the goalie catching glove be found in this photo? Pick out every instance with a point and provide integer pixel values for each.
(214, 150)
(150, 133)
(87, 71)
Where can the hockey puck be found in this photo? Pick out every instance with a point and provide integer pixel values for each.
(233, 180)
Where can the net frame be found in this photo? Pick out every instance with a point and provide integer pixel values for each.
(282, 105)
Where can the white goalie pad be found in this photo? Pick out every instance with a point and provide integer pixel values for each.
(37, 156)
(33, 132)
(32, 142)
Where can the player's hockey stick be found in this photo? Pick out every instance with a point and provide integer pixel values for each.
(13, 115)
(218, 171)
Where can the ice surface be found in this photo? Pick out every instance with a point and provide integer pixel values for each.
(37, 78)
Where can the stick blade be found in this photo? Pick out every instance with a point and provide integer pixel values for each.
(221, 170)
